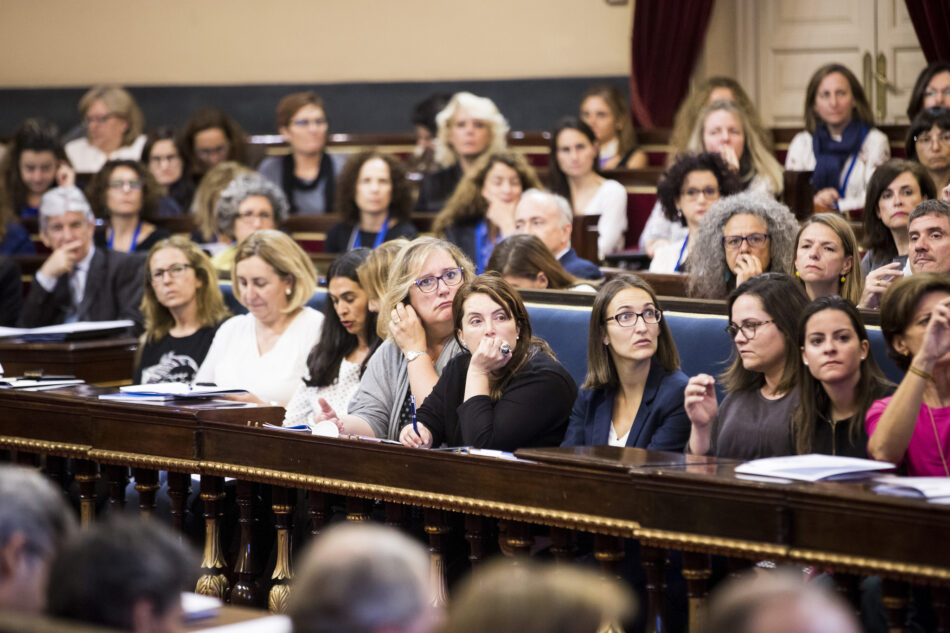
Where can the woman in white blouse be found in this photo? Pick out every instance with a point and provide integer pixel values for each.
(573, 163)
(349, 338)
(265, 351)
(840, 143)
(113, 125)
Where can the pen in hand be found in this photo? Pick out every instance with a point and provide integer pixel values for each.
(412, 413)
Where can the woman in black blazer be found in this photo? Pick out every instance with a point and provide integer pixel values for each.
(633, 395)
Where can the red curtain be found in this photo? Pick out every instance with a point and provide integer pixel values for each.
(667, 38)
(931, 20)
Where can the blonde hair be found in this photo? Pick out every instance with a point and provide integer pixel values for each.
(406, 268)
(756, 157)
(121, 104)
(853, 284)
(209, 192)
(373, 272)
(211, 309)
(480, 108)
(287, 259)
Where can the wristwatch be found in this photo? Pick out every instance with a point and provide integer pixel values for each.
(413, 355)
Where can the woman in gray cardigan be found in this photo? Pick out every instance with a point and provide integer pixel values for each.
(415, 318)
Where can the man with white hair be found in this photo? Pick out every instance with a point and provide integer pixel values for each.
(34, 522)
(363, 578)
(548, 217)
(79, 282)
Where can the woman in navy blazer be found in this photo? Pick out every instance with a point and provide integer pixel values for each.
(633, 395)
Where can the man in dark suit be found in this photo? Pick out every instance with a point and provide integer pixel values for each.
(79, 282)
(548, 217)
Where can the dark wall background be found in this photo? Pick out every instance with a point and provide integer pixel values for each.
(528, 104)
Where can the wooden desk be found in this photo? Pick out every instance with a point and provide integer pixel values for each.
(106, 361)
(697, 505)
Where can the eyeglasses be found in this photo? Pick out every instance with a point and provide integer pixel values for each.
(130, 185)
(260, 215)
(711, 193)
(650, 316)
(755, 240)
(451, 277)
(174, 271)
(305, 123)
(211, 152)
(747, 328)
(155, 159)
(931, 93)
(924, 139)
(98, 119)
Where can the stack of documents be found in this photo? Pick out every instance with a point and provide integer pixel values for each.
(931, 488)
(163, 391)
(812, 467)
(79, 330)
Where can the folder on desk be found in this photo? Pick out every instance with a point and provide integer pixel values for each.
(812, 467)
(80, 330)
(162, 391)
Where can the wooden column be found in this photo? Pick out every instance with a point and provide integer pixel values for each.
(245, 591)
(476, 533)
(895, 596)
(395, 515)
(562, 545)
(697, 568)
(357, 509)
(86, 474)
(437, 528)
(179, 487)
(940, 599)
(283, 506)
(214, 579)
(118, 478)
(146, 484)
(318, 509)
(653, 560)
(608, 551)
(515, 539)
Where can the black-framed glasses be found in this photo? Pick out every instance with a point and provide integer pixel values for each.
(174, 271)
(692, 193)
(747, 328)
(755, 240)
(650, 316)
(247, 216)
(131, 185)
(429, 283)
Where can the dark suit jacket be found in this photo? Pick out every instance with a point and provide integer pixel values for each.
(11, 292)
(113, 291)
(437, 187)
(578, 267)
(661, 423)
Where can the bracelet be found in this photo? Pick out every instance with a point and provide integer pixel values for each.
(413, 355)
(921, 373)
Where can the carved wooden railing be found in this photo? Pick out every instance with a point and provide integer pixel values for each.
(665, 501)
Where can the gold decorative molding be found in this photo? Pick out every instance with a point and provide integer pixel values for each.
(277, 598)
(213, 585)
(43, 446)
(497, 509)
(864, 564)
(706, 543)
(141, 460)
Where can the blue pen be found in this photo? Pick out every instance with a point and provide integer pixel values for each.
(412, 412)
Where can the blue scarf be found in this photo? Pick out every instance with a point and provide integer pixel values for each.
(830, 155)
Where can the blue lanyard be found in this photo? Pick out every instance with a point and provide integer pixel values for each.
(357, 242)
(135, 238)
(481, 236)
(854, 159)
(679, 260)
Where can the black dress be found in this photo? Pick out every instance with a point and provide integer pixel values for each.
(533, 410)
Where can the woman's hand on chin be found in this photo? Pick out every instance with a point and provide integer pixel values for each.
(409, 437)
(488, 357)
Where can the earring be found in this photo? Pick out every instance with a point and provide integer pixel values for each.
(842, 278)
(289, 292)
(805, 362)
(796, 274)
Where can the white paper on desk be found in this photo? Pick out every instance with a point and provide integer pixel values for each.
(66, 328)
(812, 467)
(30, 384)
(926, 487)
(267, 624)
(196, 606)
(176, 390)
(327, 428)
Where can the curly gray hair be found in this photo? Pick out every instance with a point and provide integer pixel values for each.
(241, 188)
(707, 258)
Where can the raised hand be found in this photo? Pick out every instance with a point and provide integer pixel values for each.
(827, 197)
(325, 413)
(747, 267)
(488, 357)
(699, 400)
(877, 281)
(62, 260)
